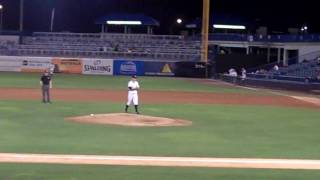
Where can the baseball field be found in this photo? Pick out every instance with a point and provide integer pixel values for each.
(232, 131)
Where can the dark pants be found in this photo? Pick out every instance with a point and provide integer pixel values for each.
(46, 93)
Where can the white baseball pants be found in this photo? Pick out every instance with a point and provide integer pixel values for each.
(133, 98)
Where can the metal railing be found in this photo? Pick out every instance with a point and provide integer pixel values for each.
(108, 35)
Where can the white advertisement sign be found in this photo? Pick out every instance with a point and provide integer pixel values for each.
(98, 66)
(10, 64)
(36, 63)
(24, 64)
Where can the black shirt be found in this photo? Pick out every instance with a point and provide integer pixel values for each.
(45, 79)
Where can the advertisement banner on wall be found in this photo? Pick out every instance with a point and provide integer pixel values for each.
(35, 64)
(159, 68)
(10, 64)
(121, 67)
(97, 66)
(69, 66)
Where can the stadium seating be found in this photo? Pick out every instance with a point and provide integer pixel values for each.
(307, 69)
(130, 46)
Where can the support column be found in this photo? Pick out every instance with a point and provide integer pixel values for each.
(248, 50)
(269, 55)
(102, 28)
(279, 56)
(285, 57)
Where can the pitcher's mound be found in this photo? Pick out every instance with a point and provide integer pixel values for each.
(124, 119)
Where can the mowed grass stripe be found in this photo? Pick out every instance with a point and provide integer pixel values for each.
(29, 80)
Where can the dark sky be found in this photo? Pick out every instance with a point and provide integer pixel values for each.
(79, 15)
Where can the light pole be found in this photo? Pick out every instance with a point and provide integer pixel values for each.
(52, 19)
(1, 17)
(21, 15)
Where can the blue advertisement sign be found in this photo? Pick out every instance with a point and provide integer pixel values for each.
(122, 67)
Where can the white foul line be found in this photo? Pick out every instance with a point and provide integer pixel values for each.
(161, 161)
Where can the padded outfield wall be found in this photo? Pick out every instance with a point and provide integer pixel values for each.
(102, 66)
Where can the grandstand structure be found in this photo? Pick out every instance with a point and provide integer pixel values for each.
(151, 47)
(107, 45)
(298, 58)
(154, 47)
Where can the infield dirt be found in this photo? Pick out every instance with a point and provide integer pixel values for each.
(158, 97)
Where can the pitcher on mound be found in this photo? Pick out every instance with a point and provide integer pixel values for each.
(133, 87)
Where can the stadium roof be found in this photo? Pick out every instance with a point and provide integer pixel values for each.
(127, 19)
(219, 20)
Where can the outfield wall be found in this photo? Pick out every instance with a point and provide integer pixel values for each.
(102, 66)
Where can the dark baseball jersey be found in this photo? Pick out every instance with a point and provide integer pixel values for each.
(45, 79)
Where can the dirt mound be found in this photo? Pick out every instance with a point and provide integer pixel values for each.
(124, 119)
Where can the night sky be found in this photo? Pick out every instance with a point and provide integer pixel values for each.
(79, 15)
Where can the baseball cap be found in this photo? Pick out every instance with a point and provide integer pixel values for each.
(134, 76)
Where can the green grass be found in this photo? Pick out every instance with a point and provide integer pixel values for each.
(27, 80)
(64, 172)
(218, 131)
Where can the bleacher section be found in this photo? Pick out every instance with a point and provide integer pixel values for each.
(303, 76)
(129, 46)
(309, 69)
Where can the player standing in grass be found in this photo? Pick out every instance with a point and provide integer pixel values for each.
(46, 85)
(133, 87)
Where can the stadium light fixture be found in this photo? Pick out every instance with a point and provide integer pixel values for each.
(179, 21)
(1, 17)
(236, 27)
(304, 28)
(124, 22)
